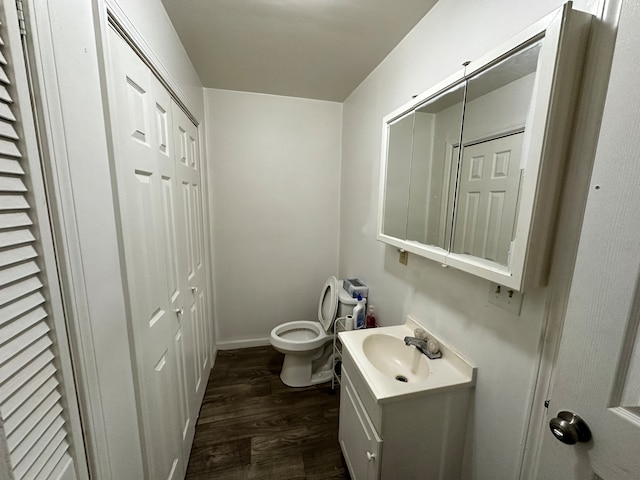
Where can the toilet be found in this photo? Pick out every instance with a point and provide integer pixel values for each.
(308, 345)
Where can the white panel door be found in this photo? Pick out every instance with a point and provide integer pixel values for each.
(146, 190)
(193, 267)
(598, 366)
(488, 194)
(174, 253)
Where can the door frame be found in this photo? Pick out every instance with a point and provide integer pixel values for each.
(586, 130)
(78, 173)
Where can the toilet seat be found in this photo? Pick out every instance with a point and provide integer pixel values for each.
(304, 335)
(298, 336)
(328, 306)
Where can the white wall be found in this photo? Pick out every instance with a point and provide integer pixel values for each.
(275, 182)
(506, 348)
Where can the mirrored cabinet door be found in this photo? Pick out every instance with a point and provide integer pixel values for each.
(399, 146)
(492, 165)
(434, 161)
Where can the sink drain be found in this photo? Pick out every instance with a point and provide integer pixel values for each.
(401, 378)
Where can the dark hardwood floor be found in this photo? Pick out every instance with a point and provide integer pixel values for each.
(252, 426)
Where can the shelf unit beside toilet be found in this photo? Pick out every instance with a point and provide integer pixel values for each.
(338, 326)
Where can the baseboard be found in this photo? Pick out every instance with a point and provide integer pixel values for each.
(248, 343)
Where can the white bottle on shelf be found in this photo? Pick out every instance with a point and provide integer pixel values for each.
(358, 313)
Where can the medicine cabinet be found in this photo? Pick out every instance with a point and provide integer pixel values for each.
(472, 168)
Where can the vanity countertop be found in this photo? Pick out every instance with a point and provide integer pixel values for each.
(387, 351)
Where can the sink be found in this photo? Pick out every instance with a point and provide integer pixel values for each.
(392, 371)
(391, 357)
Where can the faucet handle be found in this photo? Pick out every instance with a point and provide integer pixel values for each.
(433, 346)
(420, 334)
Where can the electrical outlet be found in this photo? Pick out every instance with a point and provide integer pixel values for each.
(404, 257)
(506, 298)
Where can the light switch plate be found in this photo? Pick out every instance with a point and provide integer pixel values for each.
(505, 298)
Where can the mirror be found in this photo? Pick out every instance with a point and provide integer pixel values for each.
(437, 127)
(492, 165)
(471, 168)
(399, 144)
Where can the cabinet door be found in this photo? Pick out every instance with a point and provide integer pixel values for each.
(359, 441)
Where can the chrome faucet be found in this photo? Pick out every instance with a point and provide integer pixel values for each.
(422, 346)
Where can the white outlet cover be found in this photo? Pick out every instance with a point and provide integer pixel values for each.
(505, 298)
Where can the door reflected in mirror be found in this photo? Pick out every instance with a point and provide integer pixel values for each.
(491, 168)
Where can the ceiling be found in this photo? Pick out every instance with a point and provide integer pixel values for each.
(321, 49)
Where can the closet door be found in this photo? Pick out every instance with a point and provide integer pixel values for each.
(145, 178)
(174, 256)
(38, 411)
(192, 268)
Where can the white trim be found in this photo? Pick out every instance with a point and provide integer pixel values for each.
(47, 256)
(67, 239)
(208, 230)
(597, 66)
(235, 344)
(90, 312)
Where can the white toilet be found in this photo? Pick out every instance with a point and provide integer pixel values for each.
(307, 345)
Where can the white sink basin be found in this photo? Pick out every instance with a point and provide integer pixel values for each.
(394, 359)
(385, 362)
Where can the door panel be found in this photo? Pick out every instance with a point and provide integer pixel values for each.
(160, 203)
(598, 367)
(169, 226)
(194, 276)
(145, 178)
(184, 419)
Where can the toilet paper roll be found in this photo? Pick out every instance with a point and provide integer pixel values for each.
(348, 323)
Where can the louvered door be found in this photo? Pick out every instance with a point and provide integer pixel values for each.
(34, 433)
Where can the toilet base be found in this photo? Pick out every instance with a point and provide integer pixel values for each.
(297, 371)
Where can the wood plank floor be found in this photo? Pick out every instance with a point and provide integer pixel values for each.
(252, 426)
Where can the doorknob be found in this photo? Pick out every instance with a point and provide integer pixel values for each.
(179, 311)
(569, 428)
(194, 289)
(370, 456)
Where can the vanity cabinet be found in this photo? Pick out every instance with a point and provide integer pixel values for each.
(411, 437)
(472, 168)
(359, 440)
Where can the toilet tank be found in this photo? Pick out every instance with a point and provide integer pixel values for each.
(345, 302)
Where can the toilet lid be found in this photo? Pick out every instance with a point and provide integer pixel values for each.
(328, 306)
